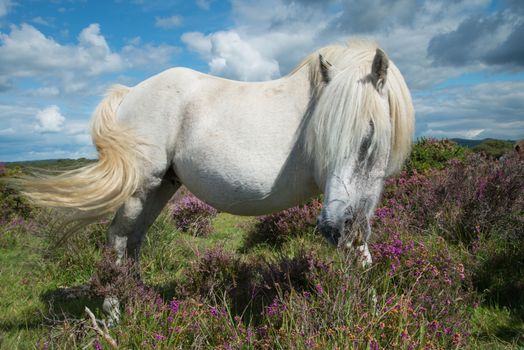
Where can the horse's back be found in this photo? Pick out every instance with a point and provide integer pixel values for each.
(230, 142)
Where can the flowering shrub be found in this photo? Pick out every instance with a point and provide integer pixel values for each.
(477, 201)
(12, 205)
(303, 302)
(466, 198)
(249, 284)
(430, 153)
(12, 229)
(421, 271)
(421, 291)
(193, 216)
(494, 148)
(276, 227)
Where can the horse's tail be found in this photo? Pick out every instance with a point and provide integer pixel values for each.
(93, 191)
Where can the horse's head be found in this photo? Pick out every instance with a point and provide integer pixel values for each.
(351, 193)
(357, 153)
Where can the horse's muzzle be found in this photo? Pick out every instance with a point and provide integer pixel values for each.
(332, 234)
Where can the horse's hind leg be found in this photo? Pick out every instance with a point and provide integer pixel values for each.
(131, 222)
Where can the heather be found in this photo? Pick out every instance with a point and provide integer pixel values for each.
(430, 153)
(467, 198)
(274, 229)
(494, 148)
(193, 216)
(448, 256)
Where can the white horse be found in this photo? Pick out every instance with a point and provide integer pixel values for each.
(339, 123)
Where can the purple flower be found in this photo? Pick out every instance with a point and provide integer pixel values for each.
(214, 312)
(193, 216)
(319, 288)
(310, 343)
(290, 221)
(275, 308)
(174, 305)
(159, 337)
(97, 344)
(384, 212)
(262, 331)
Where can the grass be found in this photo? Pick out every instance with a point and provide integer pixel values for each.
(34, 284)
(498, 328)
(34, 289)
(447, 274)
(22, 282)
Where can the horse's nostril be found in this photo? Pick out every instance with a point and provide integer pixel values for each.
(348, 223)
(335, 234)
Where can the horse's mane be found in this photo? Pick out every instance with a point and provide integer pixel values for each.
(345, 107)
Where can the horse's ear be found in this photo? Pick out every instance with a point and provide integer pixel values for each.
(326, 69)
(379, 69)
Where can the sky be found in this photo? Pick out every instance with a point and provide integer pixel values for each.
(463, 60)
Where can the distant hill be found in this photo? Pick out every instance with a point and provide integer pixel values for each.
(473, 143)
(51, 163)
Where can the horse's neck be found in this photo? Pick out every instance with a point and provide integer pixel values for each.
(300, 76)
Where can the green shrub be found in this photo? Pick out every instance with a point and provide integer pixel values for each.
(12, 204)
(430, 153)
(494, 148)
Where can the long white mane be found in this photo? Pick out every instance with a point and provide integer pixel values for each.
(349, 103)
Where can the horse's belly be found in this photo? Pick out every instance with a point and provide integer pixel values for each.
(250, 187)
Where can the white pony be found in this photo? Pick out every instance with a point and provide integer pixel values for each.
(339, 123)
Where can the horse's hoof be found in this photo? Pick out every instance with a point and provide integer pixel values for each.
(364, 256)
(111, 307)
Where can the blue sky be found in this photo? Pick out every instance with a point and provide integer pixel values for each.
(463, 60)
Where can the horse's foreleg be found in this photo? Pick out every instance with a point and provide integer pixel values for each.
(129, 227)
(363, 255)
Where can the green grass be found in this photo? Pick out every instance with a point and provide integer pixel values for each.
(498, 327)
(22, 283)
(37, 287)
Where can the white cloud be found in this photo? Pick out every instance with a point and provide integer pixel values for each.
(8, 131)
(94, 52)
(40, 20)
(470, 134)
(204, 4)
(18, 110)
(197, 42)
(5, 6)
(27, 52)
(282, 32)
(49, 120)
(230, 56)
(287, 30)
(83, 139)
(23, 136)
(472, 111)
(148, 55)
(168, 22)
(58, 153)
(47, 91)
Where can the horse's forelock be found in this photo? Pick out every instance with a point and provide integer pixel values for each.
(346, 106)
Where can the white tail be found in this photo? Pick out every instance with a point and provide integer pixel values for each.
(100, 188)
